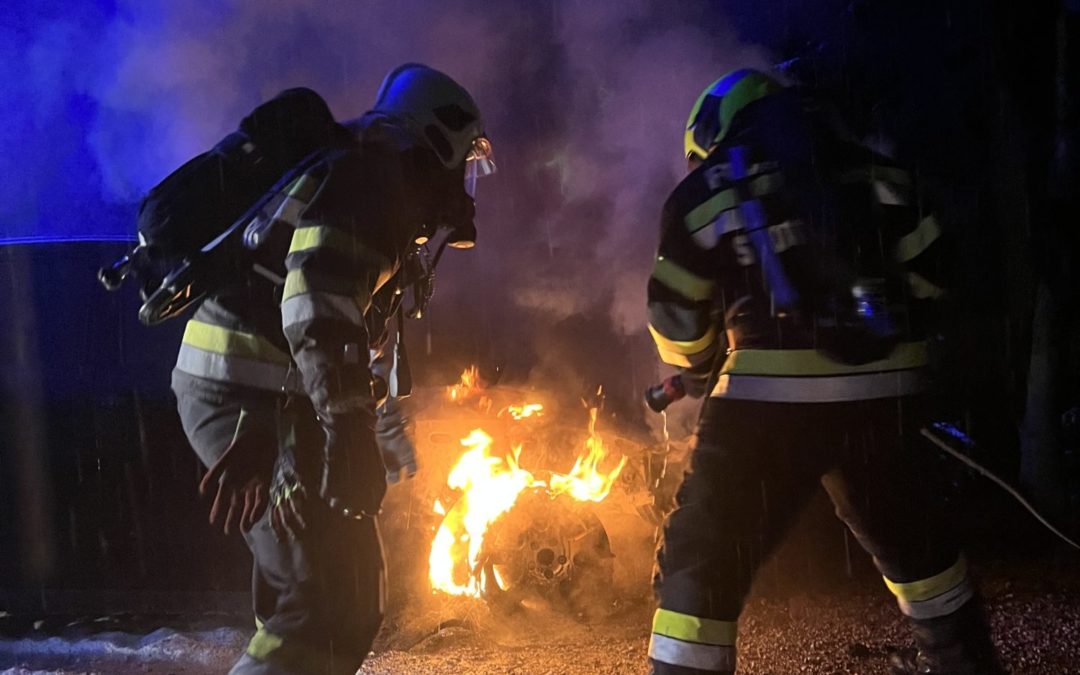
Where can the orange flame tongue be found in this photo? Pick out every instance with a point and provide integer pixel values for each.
(490, 487)
(523, 411)
(586, 482)
(470, 378)
(470, 390)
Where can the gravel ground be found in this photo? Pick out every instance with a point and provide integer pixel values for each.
(849, 628)
(1038, 632)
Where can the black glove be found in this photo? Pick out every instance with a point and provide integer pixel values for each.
(394, 434)
(695, 383)
(353, 481)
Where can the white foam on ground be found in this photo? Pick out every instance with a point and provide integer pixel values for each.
(202, 648)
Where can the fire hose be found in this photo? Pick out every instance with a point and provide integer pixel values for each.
(961, 437)
(659, 396)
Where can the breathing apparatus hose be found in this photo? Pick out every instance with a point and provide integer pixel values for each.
(953, 432)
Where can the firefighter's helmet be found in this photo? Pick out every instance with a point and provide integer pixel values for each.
(715, 109)
(438, 111)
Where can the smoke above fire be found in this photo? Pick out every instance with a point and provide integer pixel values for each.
(585, 103)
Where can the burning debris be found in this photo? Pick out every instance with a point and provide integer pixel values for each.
(513, 528)
(470, 390)
(520, 412)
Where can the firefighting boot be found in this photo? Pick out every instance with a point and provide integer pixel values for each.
(954, 644)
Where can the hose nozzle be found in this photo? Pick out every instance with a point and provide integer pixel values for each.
(659, 396)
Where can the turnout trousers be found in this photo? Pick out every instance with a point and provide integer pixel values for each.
(318, 600)
(754, 466)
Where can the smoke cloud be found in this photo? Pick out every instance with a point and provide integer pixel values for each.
(585, 103)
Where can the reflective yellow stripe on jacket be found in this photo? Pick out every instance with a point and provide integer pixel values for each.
(685, 353)
(218, 353)
(808, 376)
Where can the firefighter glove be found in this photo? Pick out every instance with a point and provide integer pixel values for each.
(242, 475)
(353, 480)
(394, 434)
(288, 503)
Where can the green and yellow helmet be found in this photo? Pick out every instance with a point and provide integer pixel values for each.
(712, 114)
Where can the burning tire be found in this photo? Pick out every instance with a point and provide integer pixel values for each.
(546, 551)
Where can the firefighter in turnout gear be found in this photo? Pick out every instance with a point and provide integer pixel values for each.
(281, 375)
(794, 278)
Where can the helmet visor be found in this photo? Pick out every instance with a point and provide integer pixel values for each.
(478, 163)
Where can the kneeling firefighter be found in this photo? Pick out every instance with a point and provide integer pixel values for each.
(808, 255)
(288, 390)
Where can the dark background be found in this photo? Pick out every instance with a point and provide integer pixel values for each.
(97, 485)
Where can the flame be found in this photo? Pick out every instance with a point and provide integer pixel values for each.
(586, 482)
(469, 388)
(439, 508)
(470, 378)
(490, 486)
(520, 412)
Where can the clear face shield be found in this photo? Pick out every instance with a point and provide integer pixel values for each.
(478, 163)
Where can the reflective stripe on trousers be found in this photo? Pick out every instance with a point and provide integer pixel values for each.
(692, 642)
(936, 596)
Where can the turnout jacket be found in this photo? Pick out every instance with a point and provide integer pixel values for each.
(344, 229)
(783, 208)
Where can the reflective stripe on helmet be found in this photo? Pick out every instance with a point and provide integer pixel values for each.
(716, 107)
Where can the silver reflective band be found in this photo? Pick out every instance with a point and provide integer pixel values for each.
(290, 211)
(341, 406)
(820, 389)
(918, 240)
(946, 603)
(889, 194)
(311, 306)
(727, 222)
(235, 370)
(691, 654)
